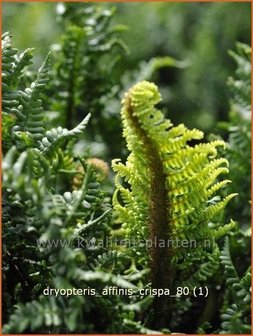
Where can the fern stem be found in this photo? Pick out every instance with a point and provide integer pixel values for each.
(161, 270)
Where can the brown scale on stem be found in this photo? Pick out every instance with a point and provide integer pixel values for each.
(161, 270)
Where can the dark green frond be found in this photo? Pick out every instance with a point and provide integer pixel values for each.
(56, 136)
(30, 115)
(236, 318)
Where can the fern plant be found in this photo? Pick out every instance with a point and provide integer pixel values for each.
(47, 225)
(239, 130)
(172, 195)
(235, 257)
(235, 317)
(171, 203)
(87, 57)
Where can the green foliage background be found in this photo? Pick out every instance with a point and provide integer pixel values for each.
(199, 34)
(54, 185)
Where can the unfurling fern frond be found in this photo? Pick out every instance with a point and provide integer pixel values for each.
(172, 191)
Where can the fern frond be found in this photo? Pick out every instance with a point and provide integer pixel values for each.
(205, 271)
(239, 130)
(30, 116)
(172, 191)
(235, 318)
(146, 70)
(246, 280)
(233, 322)
(242, 297)
(223, 230)
(8, 60)
(214, 209)
(108, 259)
(33, 315)
(12, 71)
(241, 86)
(55, 136)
